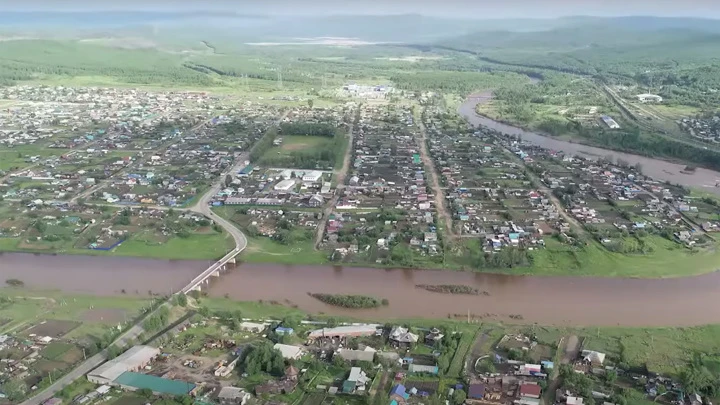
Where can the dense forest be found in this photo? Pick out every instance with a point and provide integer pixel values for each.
(455, 82)
(26, 60)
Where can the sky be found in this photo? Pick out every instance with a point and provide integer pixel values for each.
(480, 9)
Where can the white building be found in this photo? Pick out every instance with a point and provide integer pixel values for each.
(649, 98)
(134, 359)
(312, 177)
(289, 351)
(285, 185)
(611, 123)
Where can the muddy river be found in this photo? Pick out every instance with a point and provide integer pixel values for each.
(657, 169)
(544, 300)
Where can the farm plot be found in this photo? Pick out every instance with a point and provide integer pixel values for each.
(62, 352)
(53, 328)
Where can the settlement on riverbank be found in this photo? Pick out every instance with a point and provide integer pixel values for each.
(659, 169)
(341, 351)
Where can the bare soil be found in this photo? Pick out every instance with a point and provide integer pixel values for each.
(53, 328)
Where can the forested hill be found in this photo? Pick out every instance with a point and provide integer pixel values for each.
(596, 49)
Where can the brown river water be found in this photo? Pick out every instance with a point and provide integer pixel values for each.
(578, 301)
(658, 169)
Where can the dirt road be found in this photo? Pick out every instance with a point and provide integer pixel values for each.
(341, 175)
(570, 347)
(438, 195)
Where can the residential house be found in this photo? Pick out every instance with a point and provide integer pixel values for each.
(356, 381)
(403, 335)
(233, 396)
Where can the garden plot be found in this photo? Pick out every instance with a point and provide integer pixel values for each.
(53, 328)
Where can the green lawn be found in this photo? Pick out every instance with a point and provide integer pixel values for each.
(15, 156)
(195, 247)
(266, 250)
(297, 143)
(668, 260)
(30, 307)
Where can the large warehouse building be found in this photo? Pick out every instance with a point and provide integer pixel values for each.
(121, 371)
(132, 360)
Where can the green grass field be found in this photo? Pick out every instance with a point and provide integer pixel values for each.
(668, 260)
(298, 143)
(31, 307)
(195, 247)
(266, 250)
(16, 156)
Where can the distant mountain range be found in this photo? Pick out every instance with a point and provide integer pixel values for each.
(409, 28)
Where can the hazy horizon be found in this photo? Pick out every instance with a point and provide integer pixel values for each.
(466, 9)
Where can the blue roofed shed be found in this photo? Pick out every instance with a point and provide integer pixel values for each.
(399, 392)
(134, 381)
(281, 330)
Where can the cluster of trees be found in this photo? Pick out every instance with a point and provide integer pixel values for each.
(123, 218)
(350, 301)
(157, 321)
(506, 258)
(263, 358)
(307, 129)
(697, 377)
(454, 82)
(14, 389)
(13, 282)
(14, 68)
(631, 140)
(447, 348)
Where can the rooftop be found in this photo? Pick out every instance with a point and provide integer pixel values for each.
(131, 359)
(156, 384)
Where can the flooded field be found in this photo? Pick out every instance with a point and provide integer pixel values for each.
(544, 300)
(658, 169)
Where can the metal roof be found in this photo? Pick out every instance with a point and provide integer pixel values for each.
(132, 359)
(156, 384)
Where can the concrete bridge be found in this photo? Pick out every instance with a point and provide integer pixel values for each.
(213, 271)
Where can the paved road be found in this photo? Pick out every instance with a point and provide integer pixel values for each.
(84, 368)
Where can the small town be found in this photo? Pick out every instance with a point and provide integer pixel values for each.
(345, 203)
(220, 357)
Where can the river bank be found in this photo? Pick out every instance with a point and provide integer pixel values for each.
(659, 169)
(559, 301)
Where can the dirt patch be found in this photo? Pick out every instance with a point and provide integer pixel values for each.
(104, 315)
(44, 366)
(204, 230)
(72, 356)
(53, 328)
(203, 368)
(129, 400)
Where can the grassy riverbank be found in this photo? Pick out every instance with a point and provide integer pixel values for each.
(194, 247)
(663, 350)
